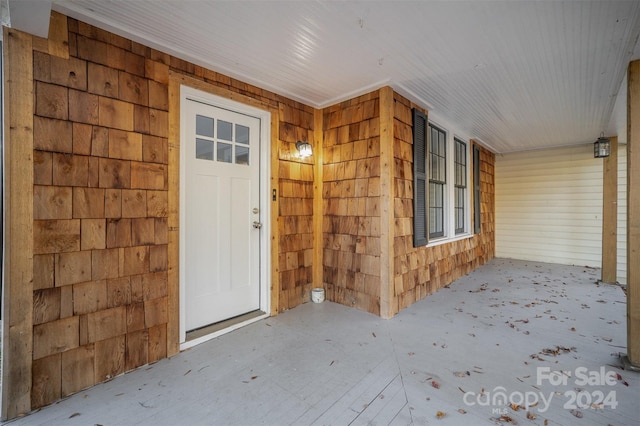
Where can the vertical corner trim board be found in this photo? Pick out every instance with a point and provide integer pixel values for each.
(318, 213)
(386, 202)
(173, 200)
(610, 214)
(18, 305)
(633, 213)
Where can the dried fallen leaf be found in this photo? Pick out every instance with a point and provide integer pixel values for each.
(546, 422)
(576, 413)
(435, 384)
(412, 353)
(440, 414)
(254, 377)
(462, 411)
(374, 334)
(505, 418)
(530, 415)
(461, 373)
(573, 329)
(516, 407)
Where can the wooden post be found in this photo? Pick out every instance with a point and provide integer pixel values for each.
(318, 214)
(276, 284)
(173, 201)
(610, 214)
(386, 203)
(633, 214)
(17, 345)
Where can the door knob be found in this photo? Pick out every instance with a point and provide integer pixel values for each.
(257, 224)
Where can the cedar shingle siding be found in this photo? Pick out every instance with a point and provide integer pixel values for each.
(104, 285)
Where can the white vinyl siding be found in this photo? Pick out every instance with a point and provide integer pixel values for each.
(549, 207)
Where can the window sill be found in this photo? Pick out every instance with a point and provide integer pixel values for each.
(445, 240)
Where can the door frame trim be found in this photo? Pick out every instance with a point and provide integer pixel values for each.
(188, 92)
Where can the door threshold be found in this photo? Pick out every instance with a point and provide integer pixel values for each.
(201, 335)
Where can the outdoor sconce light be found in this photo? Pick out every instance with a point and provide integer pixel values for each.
(304, 149)
(601, 147)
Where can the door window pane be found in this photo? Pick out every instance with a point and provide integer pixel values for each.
(242, 155)
(242, 134)
(204, 149)
(224, 130)
(224, 152)
(204, 126)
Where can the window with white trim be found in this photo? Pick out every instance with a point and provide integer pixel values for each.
(441, 182)
(437, 181)
(460, 168)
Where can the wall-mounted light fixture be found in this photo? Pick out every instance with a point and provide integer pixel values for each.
(601, 147)
(304, 149)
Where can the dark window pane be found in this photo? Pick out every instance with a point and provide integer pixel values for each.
(204, 126)
(242, 134)
(224, 152)
(224, 130)
(204, 149)
(436, 209)
(242, 155)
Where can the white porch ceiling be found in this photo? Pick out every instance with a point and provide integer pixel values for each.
(517, 75)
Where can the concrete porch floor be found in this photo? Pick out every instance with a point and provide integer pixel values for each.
(445, 360)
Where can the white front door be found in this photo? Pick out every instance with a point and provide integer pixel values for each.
(222, 218)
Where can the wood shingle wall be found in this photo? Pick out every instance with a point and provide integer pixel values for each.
(419, 272)
(100, 213)
(102, 249)
(296, 194)
(351, 197)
